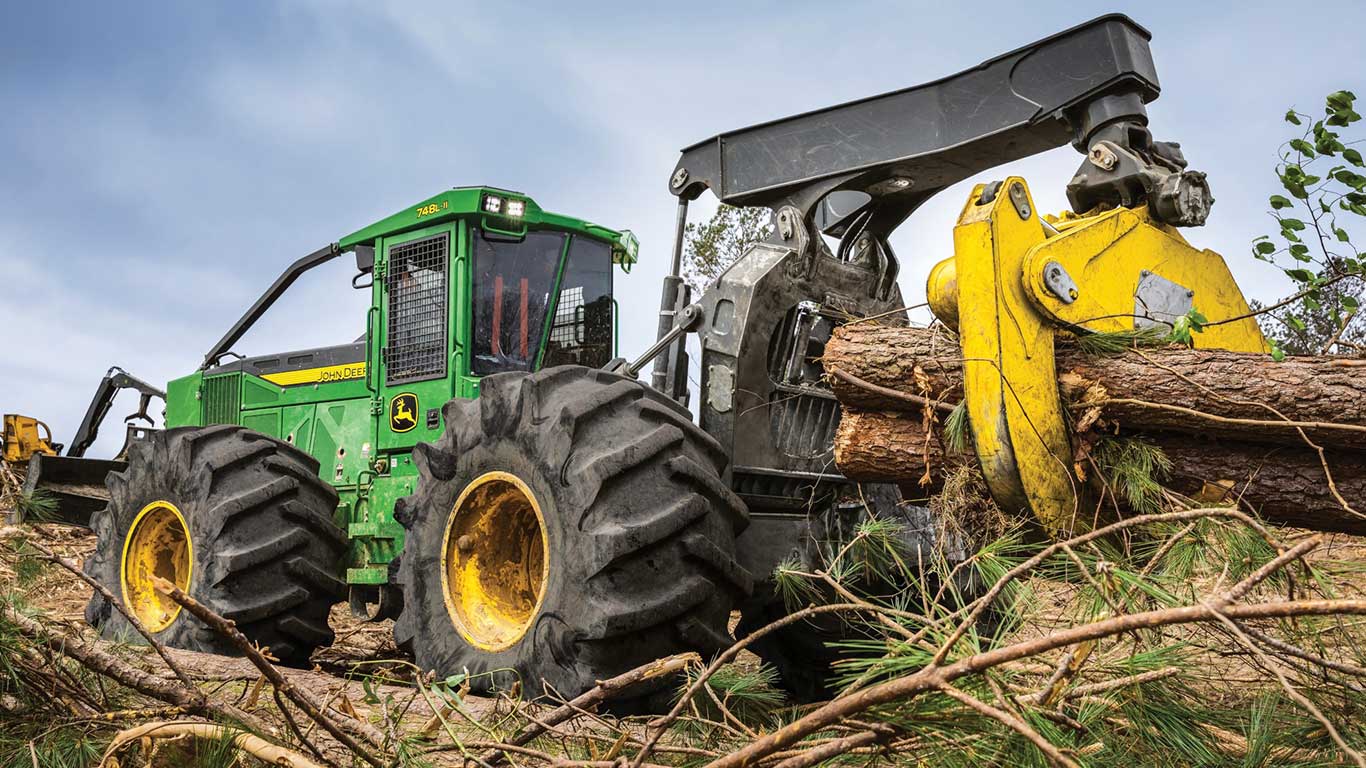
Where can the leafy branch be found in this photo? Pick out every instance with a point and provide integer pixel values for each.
(1314, 246)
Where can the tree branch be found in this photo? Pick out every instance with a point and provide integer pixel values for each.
(301, 699)
(935, 677)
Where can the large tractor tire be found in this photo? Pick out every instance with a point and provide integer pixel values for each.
(568, 526)
(239, 520)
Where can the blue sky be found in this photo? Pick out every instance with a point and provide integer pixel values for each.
(160, 163)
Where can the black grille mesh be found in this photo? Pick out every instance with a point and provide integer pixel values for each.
(416, 280)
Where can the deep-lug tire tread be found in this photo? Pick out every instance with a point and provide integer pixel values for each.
(267, 553)
(642, 548)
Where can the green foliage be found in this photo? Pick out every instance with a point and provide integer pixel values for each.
(28, 567)
(750, 693)
(795, 589)
(1191, 322)
(957, 430)
(40, 506)
(1108, 343)
(207, 753)
(1133, 469)
(878, 552)
(1260, 732)
(1190, 718)
(1169, 720)
(715, 244)
(1327, 198)
(37, 727)
(60, 748)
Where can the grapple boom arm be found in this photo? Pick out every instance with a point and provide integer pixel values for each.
(114, 381)
(902, 147)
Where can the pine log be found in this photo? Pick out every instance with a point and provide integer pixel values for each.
(1285, 485)
(1242, 396)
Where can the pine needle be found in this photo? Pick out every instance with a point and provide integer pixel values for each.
(1133, 469)
(957, 430)
(1109, 343)
(796, 590)
(39, 506)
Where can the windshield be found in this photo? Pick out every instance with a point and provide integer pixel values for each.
(515, 292)
(513, 280)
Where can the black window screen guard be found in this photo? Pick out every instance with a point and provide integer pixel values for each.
(416, 283)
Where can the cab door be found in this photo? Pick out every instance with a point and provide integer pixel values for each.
(417, 324)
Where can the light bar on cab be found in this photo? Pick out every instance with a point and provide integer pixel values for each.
(504, 206)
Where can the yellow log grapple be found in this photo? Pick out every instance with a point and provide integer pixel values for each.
(1016, 281)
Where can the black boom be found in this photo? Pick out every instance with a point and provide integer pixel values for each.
(903, 147)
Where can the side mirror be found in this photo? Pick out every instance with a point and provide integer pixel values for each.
(365, 258)
(365, 265)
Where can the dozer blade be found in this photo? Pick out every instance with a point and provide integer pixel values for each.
(77, 485)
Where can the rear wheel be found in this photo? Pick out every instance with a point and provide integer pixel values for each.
(568, 526)
(239, 520)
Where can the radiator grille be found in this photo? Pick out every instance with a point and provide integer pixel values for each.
(416, 282)
(222, 399)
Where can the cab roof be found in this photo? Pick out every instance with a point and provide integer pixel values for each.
(498, 207)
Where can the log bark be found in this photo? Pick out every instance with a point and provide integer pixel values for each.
(1242, 396)
(1285, 485)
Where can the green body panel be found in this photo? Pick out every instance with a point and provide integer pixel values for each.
(345, 424)
(182, 401)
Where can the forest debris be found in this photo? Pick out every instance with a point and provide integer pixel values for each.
(272, 754)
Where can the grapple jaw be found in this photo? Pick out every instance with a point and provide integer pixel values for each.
(1016, 281)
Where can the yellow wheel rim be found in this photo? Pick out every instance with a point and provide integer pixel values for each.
(495, 561)
(157, 546)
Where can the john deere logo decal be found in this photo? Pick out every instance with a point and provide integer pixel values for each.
(403, 412)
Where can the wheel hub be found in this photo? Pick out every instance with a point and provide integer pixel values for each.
(494, 561)
(157, 546)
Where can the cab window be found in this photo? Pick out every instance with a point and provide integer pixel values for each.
(581, 331)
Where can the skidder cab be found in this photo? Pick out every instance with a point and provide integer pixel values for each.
(271, 494)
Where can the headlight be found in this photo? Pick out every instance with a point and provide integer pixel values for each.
(629, 244)
(493, 204)
(516, 207)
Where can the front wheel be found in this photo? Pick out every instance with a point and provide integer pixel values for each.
(240, 521)
(568, 526)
